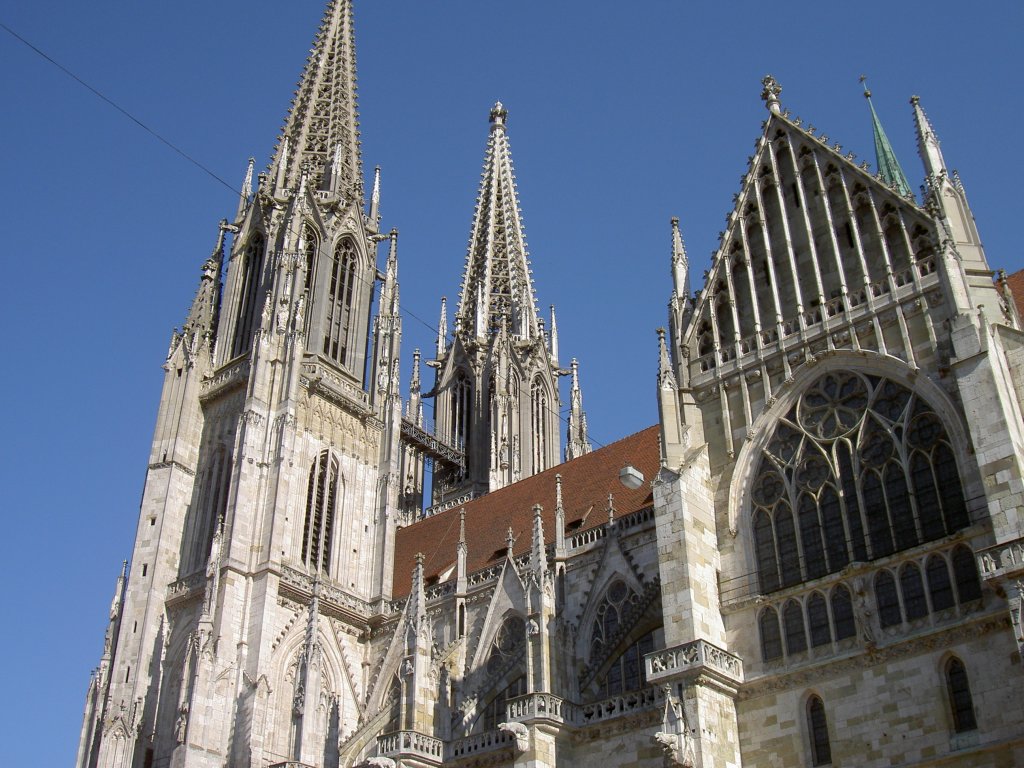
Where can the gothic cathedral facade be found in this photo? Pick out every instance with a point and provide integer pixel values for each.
(815, 558)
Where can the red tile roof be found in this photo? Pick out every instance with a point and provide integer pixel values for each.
(586, 483)
(1015, 283)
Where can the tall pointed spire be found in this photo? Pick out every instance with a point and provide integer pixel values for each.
(323, 114)
(577, 442)
(885, 158)
(442, 328)
(496, 282)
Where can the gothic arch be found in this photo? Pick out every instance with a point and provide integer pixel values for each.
(742, 515)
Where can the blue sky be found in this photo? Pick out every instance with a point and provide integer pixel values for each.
(621, 116)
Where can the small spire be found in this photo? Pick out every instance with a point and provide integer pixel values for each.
(927, 141)
(246, 192)
(665, 377)
(770, 94)
(611, 509)
(885, 158)
(538, 557)
(462, 527)
(510, 541)
(282, 166)
(680, 264)
(442, 329)
(577, 440)
(554, 338)
(375, 199)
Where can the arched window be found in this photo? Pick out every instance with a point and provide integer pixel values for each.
(939, 587)
(793, 620)
(860, 468)
(817, 730)
(609, 616)
(508, 644)
(960, 701)
(842, 613)
(888, 600)
(817, 620)
(321, 498)
(338, 308)
(539, 416)
(248, 294)
(965, 572)
(771, 637)
(914, 603)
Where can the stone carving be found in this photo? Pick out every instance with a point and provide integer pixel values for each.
(675, 736)
(862, 611)
(381, 762)
(520, 732)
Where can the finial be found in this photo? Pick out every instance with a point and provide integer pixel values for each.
(510, 540)
(770, 94)
(124, 568)
(498, 115)
(864, 81)
(419, 559)
(558, 493)
(462, 526)
(374, 197)
(246, 192)
(611, 509)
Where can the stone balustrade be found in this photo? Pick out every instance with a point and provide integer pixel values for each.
(543, 705)
(696, 656)
(410, 744)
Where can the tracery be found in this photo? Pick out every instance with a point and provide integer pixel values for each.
(860, 468)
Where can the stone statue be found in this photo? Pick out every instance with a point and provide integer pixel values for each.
(520, 731)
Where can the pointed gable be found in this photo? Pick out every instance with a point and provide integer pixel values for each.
(586, 483)
(812, 238)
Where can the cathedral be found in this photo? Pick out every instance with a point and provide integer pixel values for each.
(814, 558)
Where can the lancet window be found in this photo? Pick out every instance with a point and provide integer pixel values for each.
(961, 702)
(213, 504)
(310, 246)
(321, 499)
(539, 413)
(460, 417)
(860, 468)
(817, 730)
(340, 293)
(248, 294)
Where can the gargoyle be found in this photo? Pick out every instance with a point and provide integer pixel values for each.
(520, 731)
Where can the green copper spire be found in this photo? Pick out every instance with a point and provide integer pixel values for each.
(885, 158)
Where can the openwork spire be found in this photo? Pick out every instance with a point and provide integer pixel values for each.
(885, 158)
(323, 121)
(496, 283)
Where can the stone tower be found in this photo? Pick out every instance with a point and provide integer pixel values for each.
(274, 467)
(496, 392)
